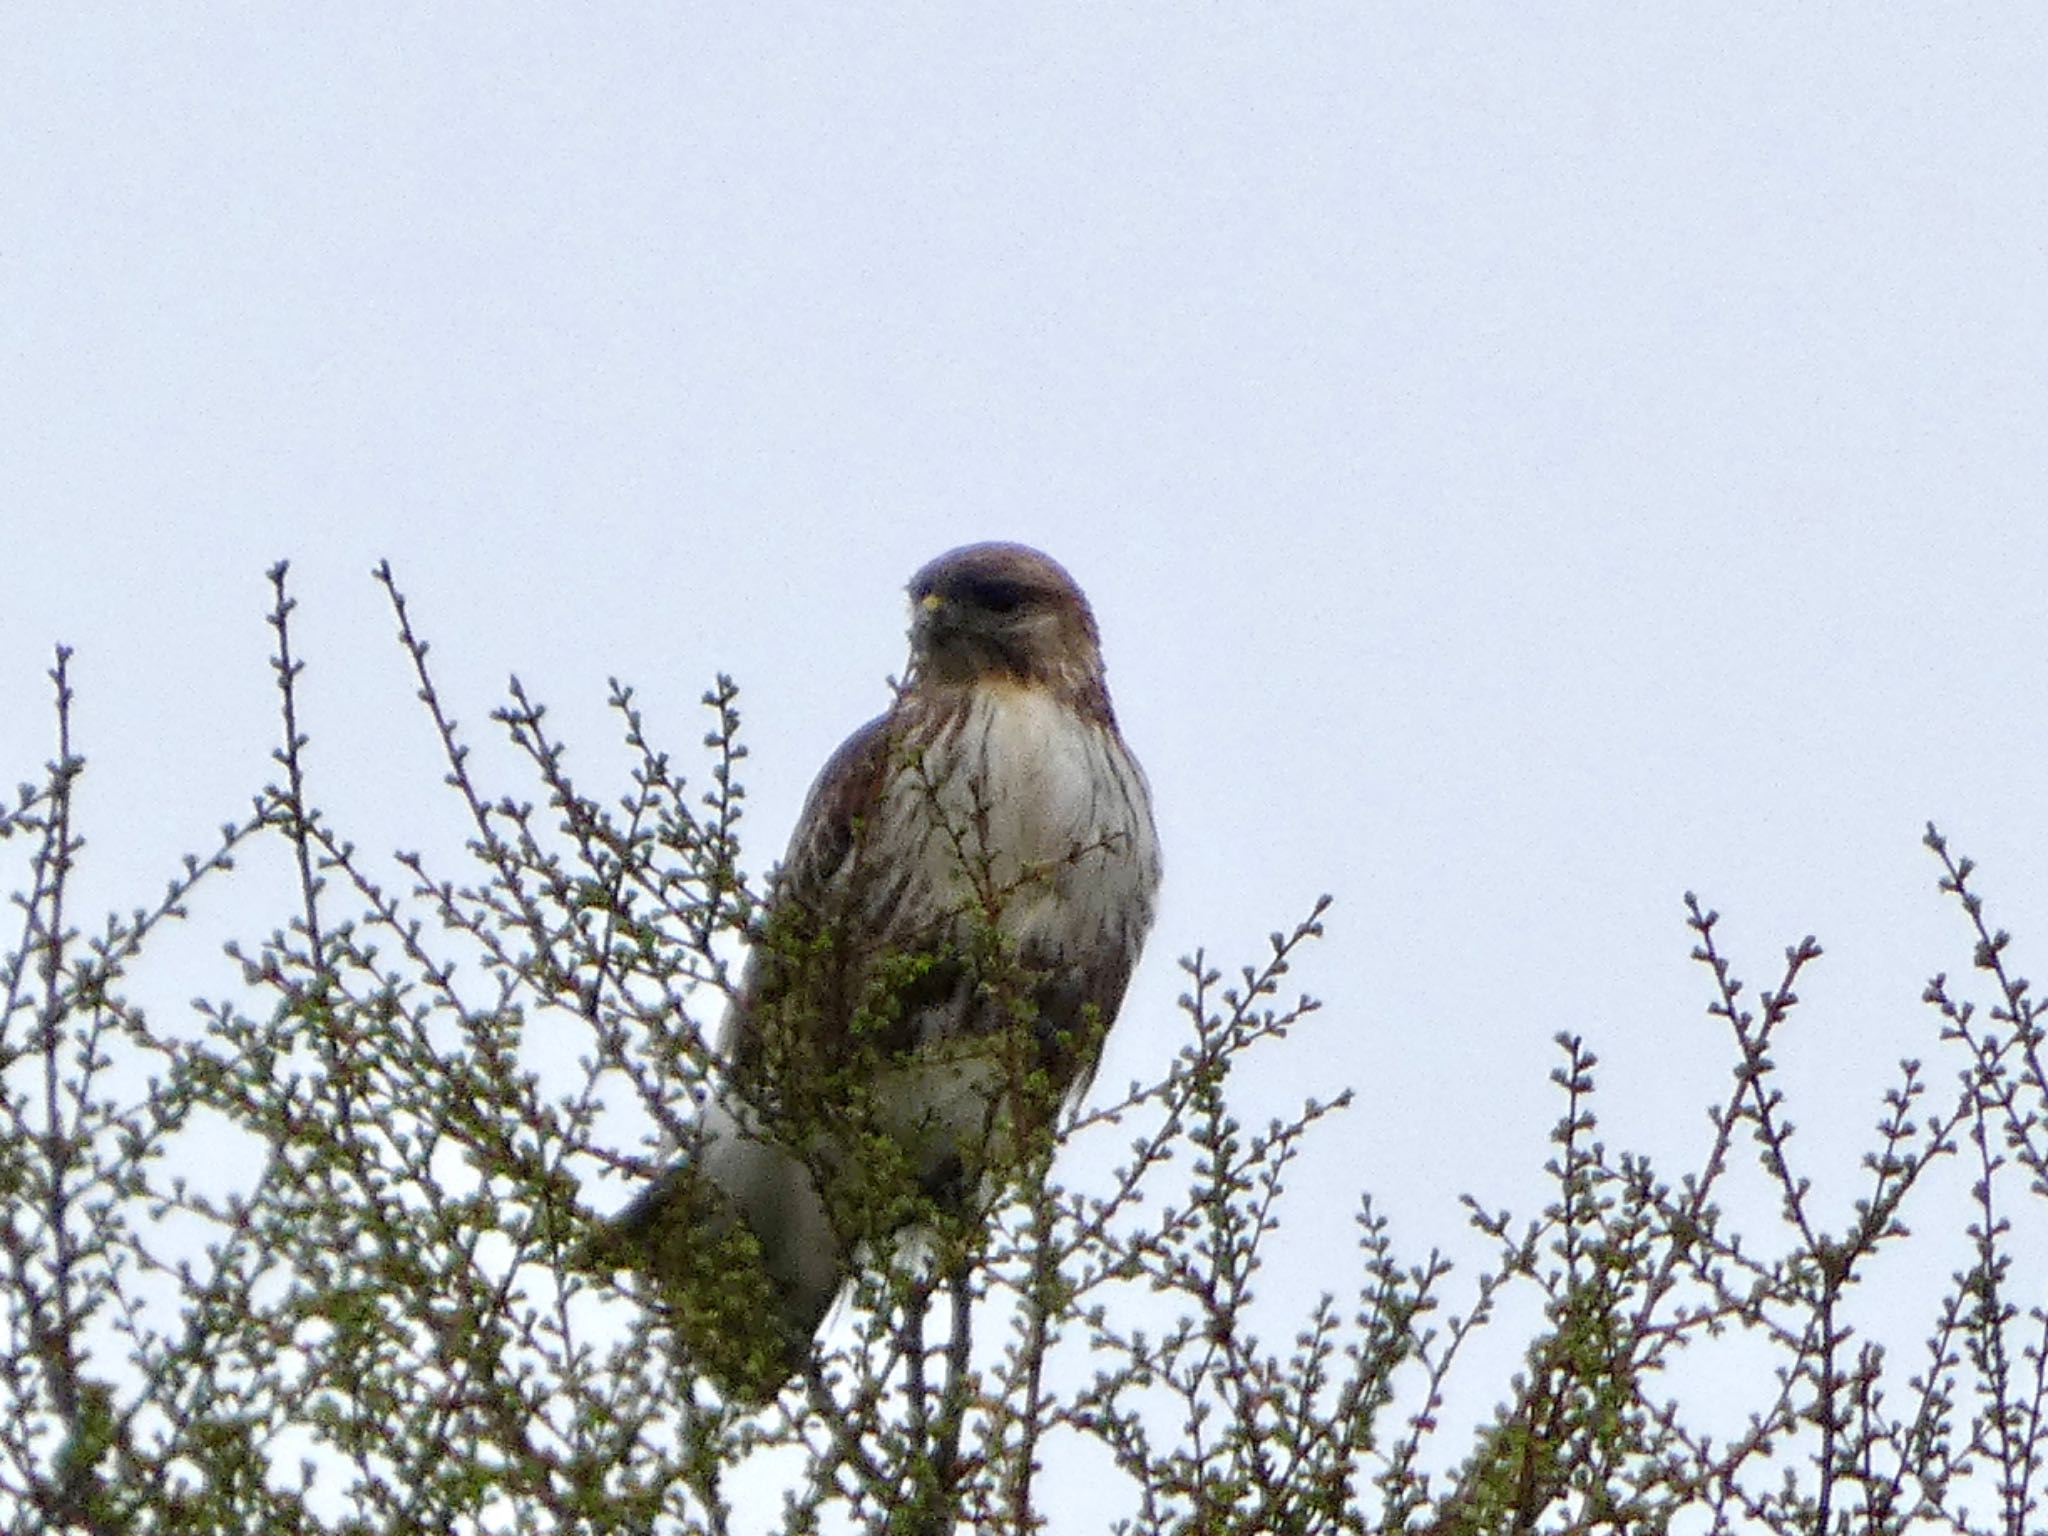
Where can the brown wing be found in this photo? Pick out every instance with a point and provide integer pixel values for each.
(841, 798)
(845, 938)
(784, 991)
(1082, 977)
(1077, 1000)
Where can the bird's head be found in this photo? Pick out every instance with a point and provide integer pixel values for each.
(989, 611)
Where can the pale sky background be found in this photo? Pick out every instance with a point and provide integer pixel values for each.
(1525, 465)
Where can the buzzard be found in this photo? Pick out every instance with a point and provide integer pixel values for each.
(949, 936)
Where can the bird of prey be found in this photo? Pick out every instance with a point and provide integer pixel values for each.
(947, 939)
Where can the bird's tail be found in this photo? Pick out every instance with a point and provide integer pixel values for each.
(741, 1252)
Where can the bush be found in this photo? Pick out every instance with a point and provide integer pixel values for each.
(299, 1263)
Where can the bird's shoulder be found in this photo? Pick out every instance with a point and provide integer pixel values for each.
(842, 797)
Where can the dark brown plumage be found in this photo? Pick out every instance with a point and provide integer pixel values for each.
(964, 898)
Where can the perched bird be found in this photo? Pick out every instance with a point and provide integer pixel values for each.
(945, 943)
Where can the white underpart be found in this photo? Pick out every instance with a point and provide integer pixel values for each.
(1031, 813)
(1015, 807)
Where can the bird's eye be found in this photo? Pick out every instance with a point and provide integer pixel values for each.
(994, 596)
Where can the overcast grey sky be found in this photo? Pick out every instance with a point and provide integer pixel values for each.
(1526, 463)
